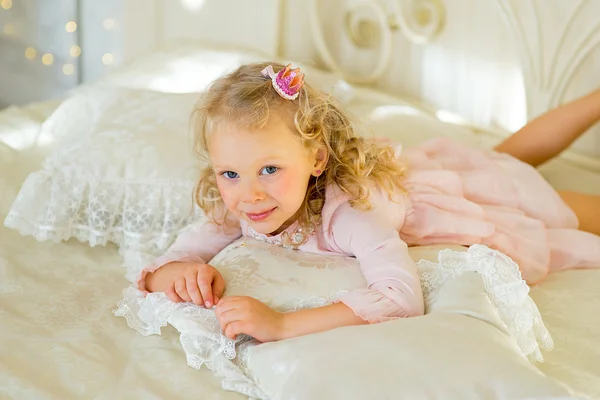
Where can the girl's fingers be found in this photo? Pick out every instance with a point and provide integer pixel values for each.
(181, 289)
(233, 329)
(218, 287)
(204, 282)
(229, 317)
(225, 304)
(192, 288)
(172, 295)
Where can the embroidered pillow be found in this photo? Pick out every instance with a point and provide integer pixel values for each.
(491, 308)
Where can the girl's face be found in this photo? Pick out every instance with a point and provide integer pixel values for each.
(263, 175)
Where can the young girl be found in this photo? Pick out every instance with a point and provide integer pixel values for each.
(284, 165)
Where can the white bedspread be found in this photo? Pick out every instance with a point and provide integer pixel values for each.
(60, 340)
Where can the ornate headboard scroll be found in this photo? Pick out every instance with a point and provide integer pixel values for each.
(541, 53)
(419, 20)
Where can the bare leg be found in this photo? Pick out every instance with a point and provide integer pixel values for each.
(587, 209)
(548, 135)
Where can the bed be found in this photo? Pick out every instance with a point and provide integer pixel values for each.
(60, 338)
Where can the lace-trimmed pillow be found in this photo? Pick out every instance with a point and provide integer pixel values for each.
(491, 310)
(121, 170)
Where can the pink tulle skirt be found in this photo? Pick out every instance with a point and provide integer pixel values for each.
(461, 195)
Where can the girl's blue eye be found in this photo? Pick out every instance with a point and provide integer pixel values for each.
(230, 174)
(269, 170)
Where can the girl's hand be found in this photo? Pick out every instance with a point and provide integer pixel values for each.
(201, 284)
(246, 315)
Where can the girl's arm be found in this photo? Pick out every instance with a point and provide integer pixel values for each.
(393, 284)
(198, 243)
(548, 135)
(246, 315)
(320, 319)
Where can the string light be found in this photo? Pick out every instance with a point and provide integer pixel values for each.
(30, 53)
(8, 29)
(68, 69)
(75, 51)
(107, 59)
(108, 24)
(71, 26)
(47, 59)
(6, 4)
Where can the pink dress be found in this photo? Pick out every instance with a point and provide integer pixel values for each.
(454, 195)
(466, 196)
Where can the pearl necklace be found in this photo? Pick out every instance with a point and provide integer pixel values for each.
(292, 240)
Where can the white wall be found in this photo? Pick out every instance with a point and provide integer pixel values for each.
(249, 24)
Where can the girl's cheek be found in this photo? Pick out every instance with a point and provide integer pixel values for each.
(283, 184)
(231, 205)
(221, 189)
(225, 195)
(287, 185)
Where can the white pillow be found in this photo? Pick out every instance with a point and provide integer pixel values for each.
(121, 170)
(499, 316)
(457, 351)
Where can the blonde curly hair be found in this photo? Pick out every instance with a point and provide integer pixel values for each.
(247, 99)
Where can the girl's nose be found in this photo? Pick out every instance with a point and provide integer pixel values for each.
(253, 193)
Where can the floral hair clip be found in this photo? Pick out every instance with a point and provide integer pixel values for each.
(286, 82)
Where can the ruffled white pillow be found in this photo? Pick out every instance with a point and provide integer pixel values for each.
(490, 310)
(121, 170)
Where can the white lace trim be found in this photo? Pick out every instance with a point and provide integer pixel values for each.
(506, 289)
(204, 343)
(200, 334)
(129, 213)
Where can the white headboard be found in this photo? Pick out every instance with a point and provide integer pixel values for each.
(494, 62)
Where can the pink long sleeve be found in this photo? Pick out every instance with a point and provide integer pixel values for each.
(394, 288)
(199, 242)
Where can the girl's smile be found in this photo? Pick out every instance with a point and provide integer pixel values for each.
(256, 217)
